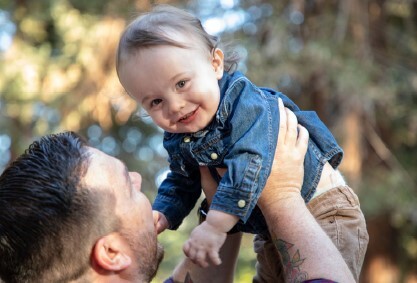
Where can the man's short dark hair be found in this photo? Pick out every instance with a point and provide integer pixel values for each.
(42, 206)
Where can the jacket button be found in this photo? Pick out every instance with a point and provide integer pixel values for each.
(214, 156)
(187, 139)
(241, 203)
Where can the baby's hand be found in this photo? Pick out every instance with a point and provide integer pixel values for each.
(161, 222)
(204, 245)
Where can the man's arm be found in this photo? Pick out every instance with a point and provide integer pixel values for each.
(306, 251)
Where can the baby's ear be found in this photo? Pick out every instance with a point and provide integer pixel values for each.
(109, 253)
(218, 62)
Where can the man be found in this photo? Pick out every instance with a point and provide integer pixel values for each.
(70, 213)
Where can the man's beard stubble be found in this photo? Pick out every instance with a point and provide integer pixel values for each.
(148, 253)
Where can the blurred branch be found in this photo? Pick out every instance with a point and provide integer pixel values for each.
(385, 154)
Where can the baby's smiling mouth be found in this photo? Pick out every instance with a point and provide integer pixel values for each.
(188, 117)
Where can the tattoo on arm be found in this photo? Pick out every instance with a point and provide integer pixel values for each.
(292, 264)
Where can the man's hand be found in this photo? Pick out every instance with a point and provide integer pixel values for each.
(287, 171)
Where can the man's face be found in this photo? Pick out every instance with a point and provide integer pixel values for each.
(132, 207)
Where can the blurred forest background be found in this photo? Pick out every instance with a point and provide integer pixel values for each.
(353, 61)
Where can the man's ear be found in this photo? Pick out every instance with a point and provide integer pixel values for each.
(109, 252)
(218, 62)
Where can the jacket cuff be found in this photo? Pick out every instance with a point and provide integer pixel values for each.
(233, 201)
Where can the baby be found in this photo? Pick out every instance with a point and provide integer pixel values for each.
(216, 119)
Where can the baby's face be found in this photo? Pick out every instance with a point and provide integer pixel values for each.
(178, 87)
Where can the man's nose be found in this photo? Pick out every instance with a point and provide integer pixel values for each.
(136, 180)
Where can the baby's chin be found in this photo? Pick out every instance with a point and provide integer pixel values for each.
(184, 130)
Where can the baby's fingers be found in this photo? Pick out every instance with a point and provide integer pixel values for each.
(195, 255)
(160, 221)
(186, 248)
(201, 259)
(215, 258)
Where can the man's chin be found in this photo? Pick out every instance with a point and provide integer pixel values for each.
(159, 258)
(155, 258)
(160, 252)
(148, 253)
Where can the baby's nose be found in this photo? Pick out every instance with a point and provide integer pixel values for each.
(176, 106)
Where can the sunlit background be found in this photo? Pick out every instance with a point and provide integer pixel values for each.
(354, 62)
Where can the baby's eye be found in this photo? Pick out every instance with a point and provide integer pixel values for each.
(155, 102)
(181, 84)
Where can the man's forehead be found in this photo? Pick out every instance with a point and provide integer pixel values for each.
(101, 156)
(93, 150)
(100, 167)
(106, 167)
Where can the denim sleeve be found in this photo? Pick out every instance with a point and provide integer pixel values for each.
(177, 196)
(253, 119)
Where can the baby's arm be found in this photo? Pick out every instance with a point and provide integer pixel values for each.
(207, 238)
(176, 197)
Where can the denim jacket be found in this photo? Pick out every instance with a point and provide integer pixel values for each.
(241, 138)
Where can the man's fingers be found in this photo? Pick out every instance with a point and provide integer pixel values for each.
(302, 140)
(291, 135)
(282, 122)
